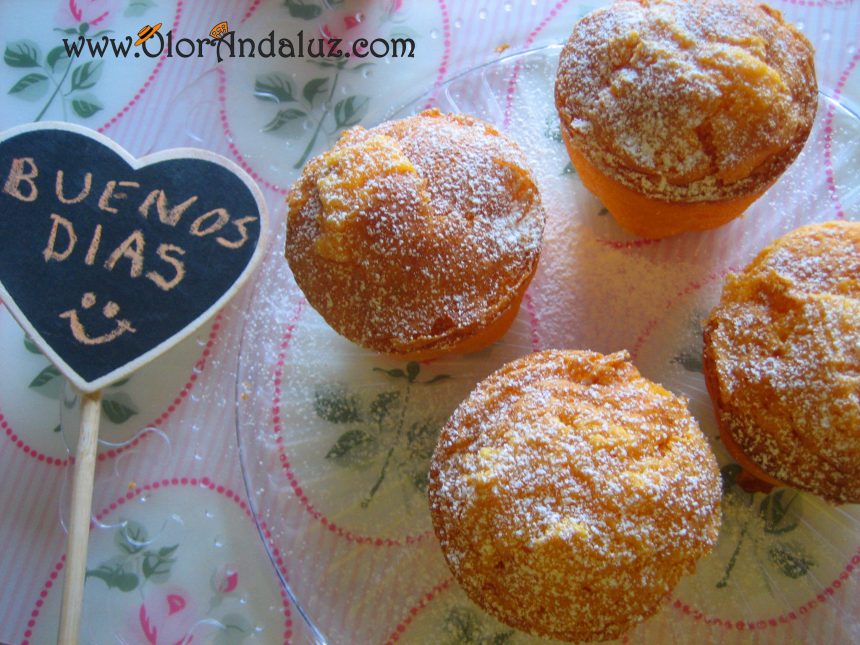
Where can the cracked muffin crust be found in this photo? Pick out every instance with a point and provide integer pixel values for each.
(685, 102)
(570, 494)
(782, 362)
(417, 237)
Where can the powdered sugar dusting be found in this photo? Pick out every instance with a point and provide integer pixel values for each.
(570, 494)
(784, 348)
(687, 101)
(417, 233)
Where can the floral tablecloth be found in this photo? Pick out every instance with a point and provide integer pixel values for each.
(175, 553)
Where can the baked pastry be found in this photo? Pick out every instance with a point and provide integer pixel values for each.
(417, 237)
(678, 114)
(569, 494)
(782, 362)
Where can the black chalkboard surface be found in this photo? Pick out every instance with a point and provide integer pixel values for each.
(107, 260)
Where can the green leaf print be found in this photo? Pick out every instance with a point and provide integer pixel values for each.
(302, 9)
(157, 564)
(118, 407)
(138, 7)
(44, 377)
(282, 118)
(131, 538)
(463, 627)
(762, 527)
(115, 577)
(314, 88)
(383, 405)
(56, 55)
(790, 558)
(236, 629)
(438, 378)
(86, 76)
(21, 53)
(86, 106)
(138, 562)
(31, 81)
(776, 510)
(350, 111)
(333, 404)
(316, 97)
(30, 346)
(395, 373)
(274, 87)
(354, 448)
(381, 425)
(420, 443)
(48, 383)
(690, 358)
(55, 73)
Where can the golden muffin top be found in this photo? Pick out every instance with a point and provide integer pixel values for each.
(695, 100)
(415, 234)
(569, 494)
(784, 347)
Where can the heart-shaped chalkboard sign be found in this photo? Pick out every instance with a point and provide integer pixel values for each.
(106, 260)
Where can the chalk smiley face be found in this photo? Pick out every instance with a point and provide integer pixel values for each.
(110, 311)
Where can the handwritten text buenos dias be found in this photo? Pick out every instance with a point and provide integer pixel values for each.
(24, 183)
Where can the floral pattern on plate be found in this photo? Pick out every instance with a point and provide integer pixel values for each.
(279, 112)
(88, 88)
(780, 553)
(357, 430)
(170, 562)
(43, 412)
(769, 559)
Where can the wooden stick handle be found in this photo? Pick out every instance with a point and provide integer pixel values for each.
(79, 520)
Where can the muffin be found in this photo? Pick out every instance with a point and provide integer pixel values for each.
(569, 494)
(679, 114)
(417, 237)
(782, 362)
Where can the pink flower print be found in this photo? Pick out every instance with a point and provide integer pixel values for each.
(224, 582)
(166, 618)
(175, 603)
(226, 579)
(93, 12)
(352, 21)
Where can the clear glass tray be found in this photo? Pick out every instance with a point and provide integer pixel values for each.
(335, 440)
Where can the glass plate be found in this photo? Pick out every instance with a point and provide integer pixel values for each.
(335, 440)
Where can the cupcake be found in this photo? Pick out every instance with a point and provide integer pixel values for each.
(418, 237)
(678, 114)
(569, 494)
(782, 362)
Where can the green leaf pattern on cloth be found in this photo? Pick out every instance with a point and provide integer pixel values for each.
(117, 405)
(462, 626)
(139, 561)
(56, 77)
(763, 524)
(381, 430)
(313, 103)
